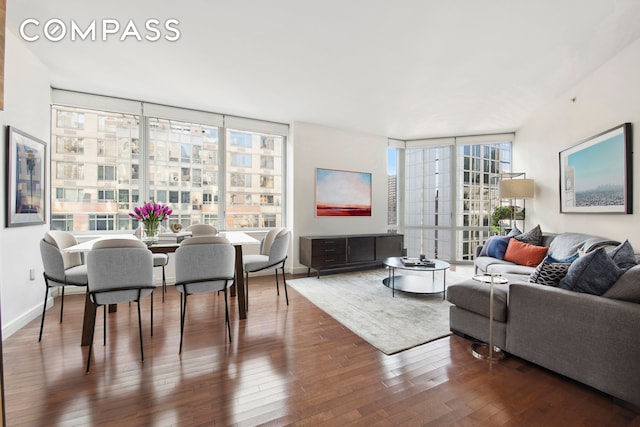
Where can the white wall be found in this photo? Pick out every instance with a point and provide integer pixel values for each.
(26, 106)
(316, 146)
(608, 97)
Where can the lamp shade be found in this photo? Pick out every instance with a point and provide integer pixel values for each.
(516, 188)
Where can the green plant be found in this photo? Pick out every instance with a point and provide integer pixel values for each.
(504, 212)
(500, 213)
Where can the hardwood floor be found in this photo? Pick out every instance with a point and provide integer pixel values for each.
(286, 365)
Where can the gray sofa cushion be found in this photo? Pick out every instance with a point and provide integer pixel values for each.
(593, 273)
(511, 268)
(474, 296)
(566, 244)
(627, 287)
(483, 262)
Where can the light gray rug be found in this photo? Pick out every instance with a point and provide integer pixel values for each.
(363, 304)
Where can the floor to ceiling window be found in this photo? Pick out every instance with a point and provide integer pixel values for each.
(106, 161)
(449, 192)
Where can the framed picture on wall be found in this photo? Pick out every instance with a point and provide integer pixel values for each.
(596, 175)
(26, 188)
(343, 193)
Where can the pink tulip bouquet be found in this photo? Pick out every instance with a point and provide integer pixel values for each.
(151, 214)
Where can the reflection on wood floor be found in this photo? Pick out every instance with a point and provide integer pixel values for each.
(285, 365)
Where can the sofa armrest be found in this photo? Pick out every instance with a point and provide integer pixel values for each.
(478, 250)
(588, 338)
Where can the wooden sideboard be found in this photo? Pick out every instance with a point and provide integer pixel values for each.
(348, 251)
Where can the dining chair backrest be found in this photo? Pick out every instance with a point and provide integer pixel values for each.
(280, 247)
(52, 261)
(265, 245)
(116, 267)
(201, 258)
(62, 240)
(202, 230)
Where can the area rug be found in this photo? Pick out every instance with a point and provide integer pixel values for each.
(363, 304)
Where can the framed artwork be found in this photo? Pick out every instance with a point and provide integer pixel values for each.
(25, 179)
(596, 175)
(343, 193)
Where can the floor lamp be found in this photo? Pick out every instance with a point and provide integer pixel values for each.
(516, 189)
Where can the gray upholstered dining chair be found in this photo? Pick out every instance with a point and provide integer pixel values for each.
(159, 260)
(204, 264)
(202, 230)
(119, 270)
(273, 253)
(60, 269)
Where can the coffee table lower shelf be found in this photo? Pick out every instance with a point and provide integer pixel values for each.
(414, 284)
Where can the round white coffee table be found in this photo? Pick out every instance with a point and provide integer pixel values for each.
(483, 350)
(416, 284)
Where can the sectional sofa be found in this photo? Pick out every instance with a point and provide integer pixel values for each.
(575, 311)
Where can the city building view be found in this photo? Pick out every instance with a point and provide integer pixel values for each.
(450, 193)
(104, 164)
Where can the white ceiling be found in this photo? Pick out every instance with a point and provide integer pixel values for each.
(398, 68)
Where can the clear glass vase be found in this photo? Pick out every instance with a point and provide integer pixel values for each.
(150, 231)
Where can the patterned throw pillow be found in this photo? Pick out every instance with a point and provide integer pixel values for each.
(549, 273)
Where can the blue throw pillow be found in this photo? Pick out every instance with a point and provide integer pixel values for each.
(567, 260)
(498, 246)
(593, 273)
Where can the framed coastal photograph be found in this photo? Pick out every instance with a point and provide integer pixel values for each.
(25, 179)
(596, 175)
(343, 193)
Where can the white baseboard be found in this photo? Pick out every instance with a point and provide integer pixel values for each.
(22, 321)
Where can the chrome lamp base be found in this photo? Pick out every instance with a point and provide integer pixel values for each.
(483, 351)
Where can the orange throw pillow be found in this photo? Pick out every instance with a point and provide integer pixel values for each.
(524, 253)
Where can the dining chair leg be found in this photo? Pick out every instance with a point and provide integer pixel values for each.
(226, 313)
(164, 283)
(284, 279)
(140, 329)
(152, 310)
(61, 304)
(277, 284)
(183, 312)
(104, 325)
(93, 327)
(44, 309)
(246, 291)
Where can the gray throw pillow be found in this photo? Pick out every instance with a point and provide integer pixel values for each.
(514, 232)
(532, 237)
(593, 273)
(623, 255)
(627, 287)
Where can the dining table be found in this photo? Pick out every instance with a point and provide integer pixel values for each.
(236, 238)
